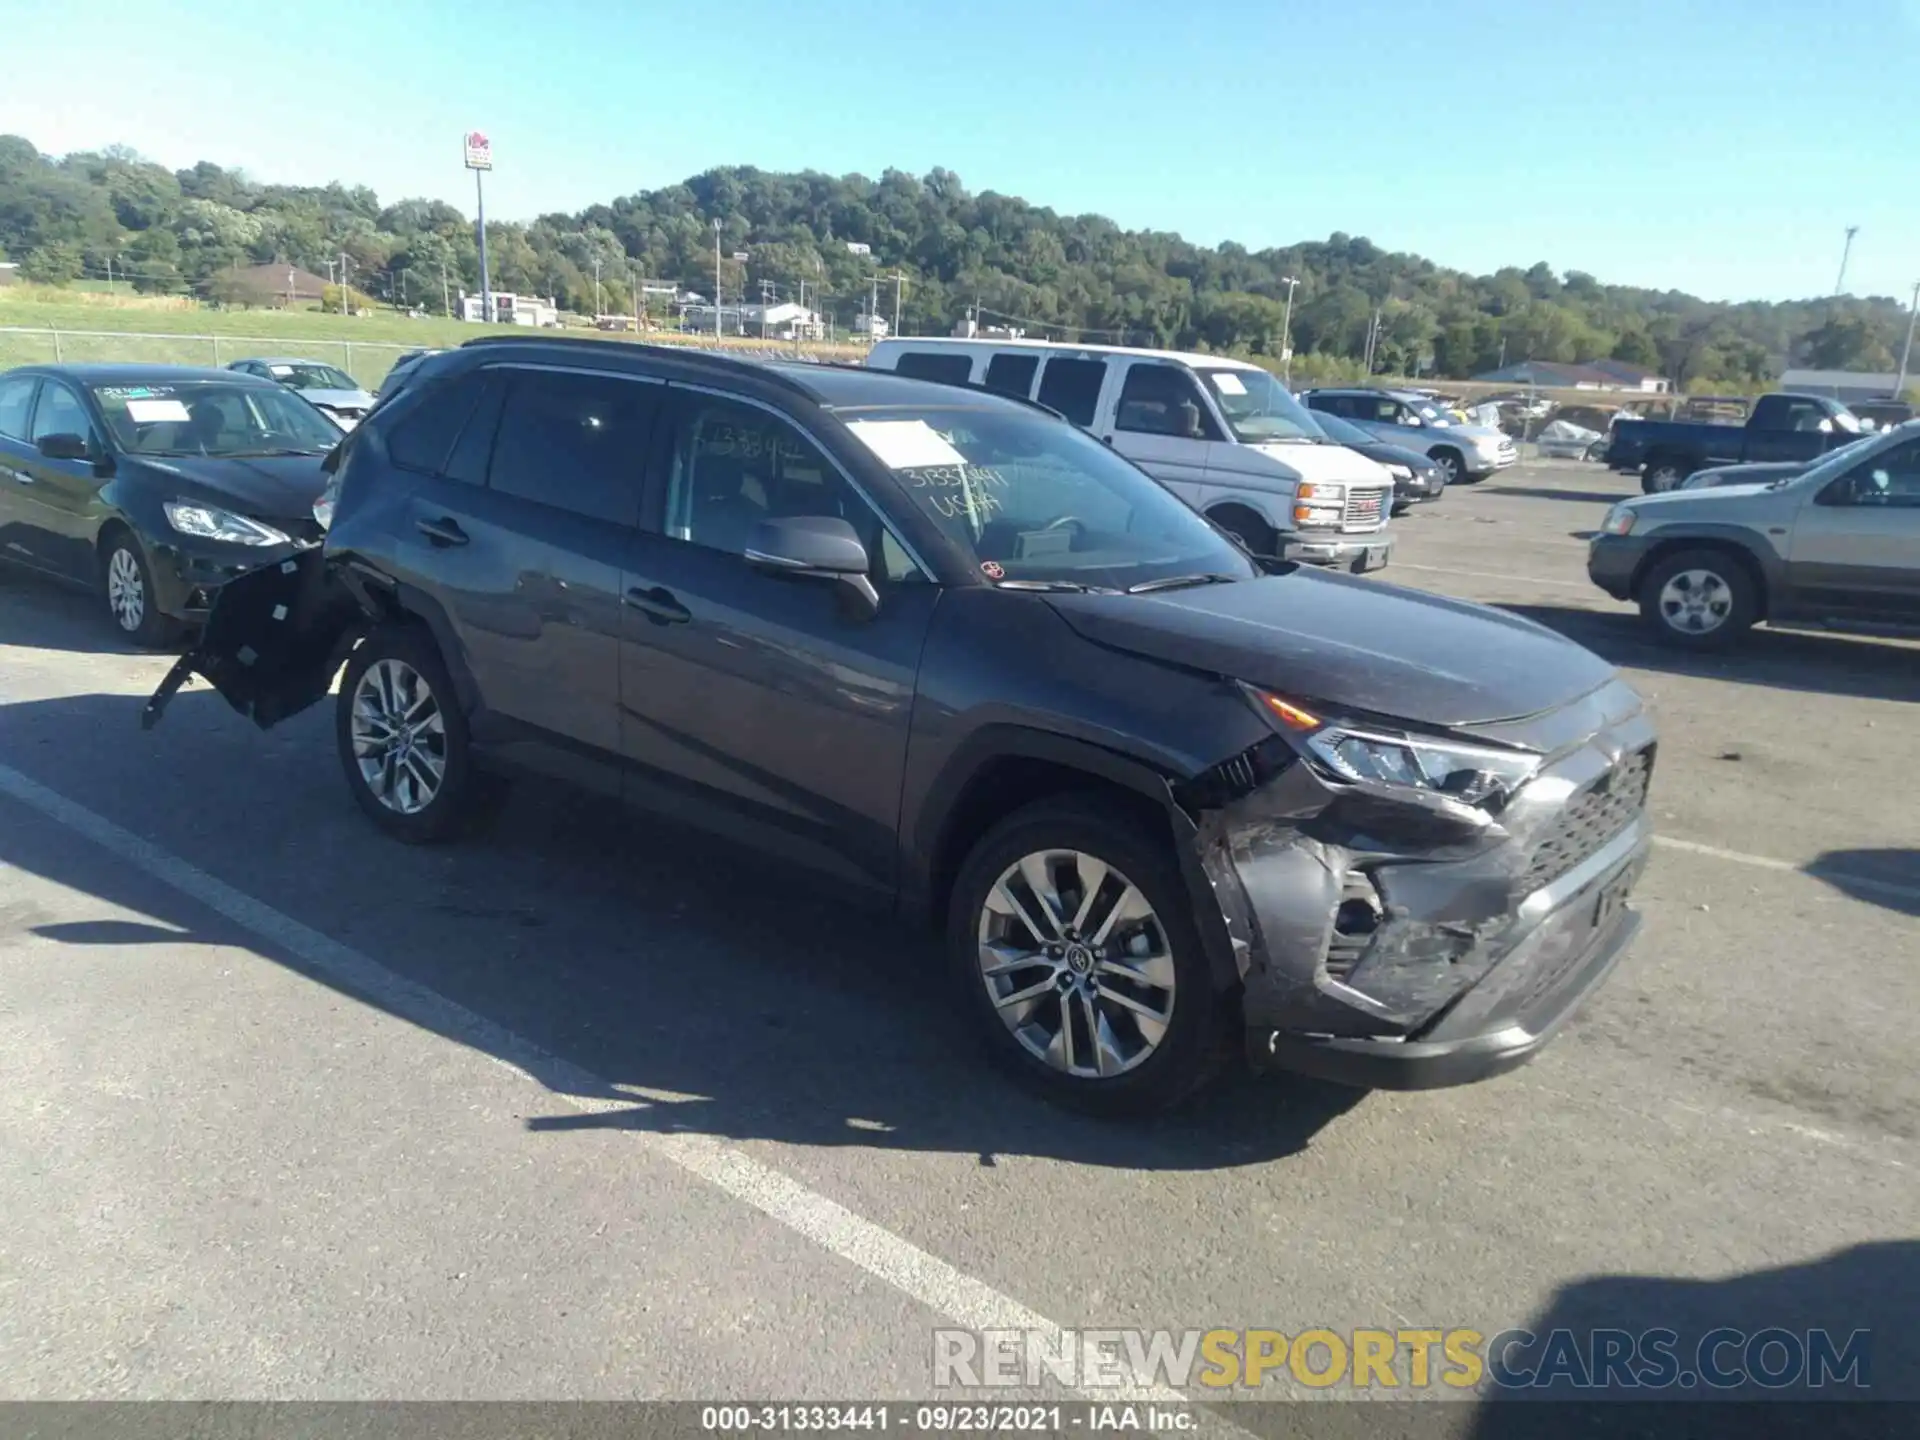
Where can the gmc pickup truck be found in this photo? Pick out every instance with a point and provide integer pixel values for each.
(1782, 427)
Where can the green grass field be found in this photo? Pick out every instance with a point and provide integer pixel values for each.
(85, 328)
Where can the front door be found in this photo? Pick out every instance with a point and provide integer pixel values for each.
(768, 706)
(1163, 424)
(1855, 547)
(59, 500)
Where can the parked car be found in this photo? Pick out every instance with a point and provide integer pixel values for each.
(967, 659)
(1223, 435)
(1781, 427)
(332, 391)
(1415, 477)
(402, 371)
(1466, 454)
(1760, 472)
(155, 484)
(1836, 546)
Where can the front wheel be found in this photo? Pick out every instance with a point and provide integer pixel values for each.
(1699, 600)
(1660, 476)
(132, 603)
(1071, 935)
(1452, 466)
(1248, 528)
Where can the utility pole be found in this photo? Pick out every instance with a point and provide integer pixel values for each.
(1846, 251)
(873, 305)
(597, 305)
(345, 308)
(446, 293)
(899, 280)
(1906, 351)
(1286, 334)
(716, 279)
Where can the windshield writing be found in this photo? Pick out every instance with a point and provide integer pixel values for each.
(212, 418)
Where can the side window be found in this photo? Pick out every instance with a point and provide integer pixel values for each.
(61, 413)
(735, 465)
(423, 437)
(1163, 400)
(1073, 387)
(1012, 374)
(16, 398)
(1889, 481)
(948, 369)
(575, 442)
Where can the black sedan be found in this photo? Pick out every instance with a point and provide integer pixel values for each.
(152, 485)
(1415, 477)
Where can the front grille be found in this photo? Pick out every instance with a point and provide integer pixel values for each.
(1590, 820)
(1364, 509)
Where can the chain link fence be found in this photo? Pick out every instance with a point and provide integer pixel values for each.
(367, 361)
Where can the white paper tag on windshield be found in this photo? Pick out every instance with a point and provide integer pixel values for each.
(280, 369)
(906, 444)
(1228, 383)
(155, 412)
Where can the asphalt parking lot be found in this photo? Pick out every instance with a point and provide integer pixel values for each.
(597, 1108)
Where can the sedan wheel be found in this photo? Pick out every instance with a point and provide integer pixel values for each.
(1076, 963)
(399, 737)
(126, 590)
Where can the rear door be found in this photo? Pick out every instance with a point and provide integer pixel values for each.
(517, 537)
(61, 496)
(1162, 423)
(16, 413)
(1855, 547)
(763, 704)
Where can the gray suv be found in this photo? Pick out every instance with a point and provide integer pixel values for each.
(1836, 546)
(959, 655)
(1465, 454)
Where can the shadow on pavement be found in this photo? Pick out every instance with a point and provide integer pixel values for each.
(1554, 492)
(1777, 659)
(41, 613)
(743, 997)
(1778, 1343)
(1880, 877)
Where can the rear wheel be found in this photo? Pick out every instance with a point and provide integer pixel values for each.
(1070, 933)
(403, 739)
(127, 584)
(1699, 599)
(1661, 475)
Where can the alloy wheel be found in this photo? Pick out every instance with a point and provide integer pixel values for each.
(399, 737)
(126, 590)
(1448, 466)
(1695, 602)
(1076, 964)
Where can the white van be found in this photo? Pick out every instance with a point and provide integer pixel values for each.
(1223, 435)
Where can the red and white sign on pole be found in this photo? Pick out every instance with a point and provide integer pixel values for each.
(479, 151)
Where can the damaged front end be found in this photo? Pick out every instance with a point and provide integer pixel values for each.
(274, 639)
(1399, 926)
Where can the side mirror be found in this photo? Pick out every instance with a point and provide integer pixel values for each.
(65, 447)
(819, 546)
(1407, 417)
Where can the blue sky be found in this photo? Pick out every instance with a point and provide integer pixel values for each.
(1717, 146)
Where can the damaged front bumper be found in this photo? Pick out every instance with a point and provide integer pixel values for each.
(1391, 944)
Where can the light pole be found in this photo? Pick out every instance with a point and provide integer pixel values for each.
(899, 279)
(1286, 335)
(716, 279)
(597, 306)
(1906, 351)
(480, 160)
(1845, 251)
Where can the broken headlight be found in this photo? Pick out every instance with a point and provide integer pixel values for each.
(1471, 774)
(210, 522)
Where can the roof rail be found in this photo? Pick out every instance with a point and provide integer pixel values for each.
(954, 384)
(687, 354)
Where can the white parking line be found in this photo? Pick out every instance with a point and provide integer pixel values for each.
(959, 1298)
(1489, 575)
(1890, 888)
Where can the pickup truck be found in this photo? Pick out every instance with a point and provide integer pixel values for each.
(1782, 427)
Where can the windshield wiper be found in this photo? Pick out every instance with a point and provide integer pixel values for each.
(258, 454)
(1060, 585)
(1179, 582)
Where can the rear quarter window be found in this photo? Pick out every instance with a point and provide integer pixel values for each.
(948, 369)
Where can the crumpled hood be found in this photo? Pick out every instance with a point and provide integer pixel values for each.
(267, 487)
(337, 399)
(1350, 643)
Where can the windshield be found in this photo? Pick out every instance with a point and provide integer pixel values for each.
(1028, 499)
(1259, 408)
(311, 375)
(1339, 431)
(213, 417)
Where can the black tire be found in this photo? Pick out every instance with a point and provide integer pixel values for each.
(126, 585)
(1453, 465)
(1661, 474)
(1195, 1041)
(1248, 528)
(1726, 575)
(464, 797)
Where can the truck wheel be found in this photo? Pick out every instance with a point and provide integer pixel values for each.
(1248, 528)
(1071, 935)
(403, 739)
(1661, 475)
(1699, 599)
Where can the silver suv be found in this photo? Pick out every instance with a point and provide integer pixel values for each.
(1464, 453)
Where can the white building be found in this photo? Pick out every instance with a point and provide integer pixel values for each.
(854, 247)
(872, 326)
(1846, 386)
(511, 309)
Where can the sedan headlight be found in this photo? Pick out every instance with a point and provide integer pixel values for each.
(1471, 774)
(1400, 472)
(209, 522)
(1619, 521)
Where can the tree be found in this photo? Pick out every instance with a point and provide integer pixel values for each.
(55, 264)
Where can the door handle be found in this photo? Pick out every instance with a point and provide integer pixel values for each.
(22, 476)
(658, 605)
(443, 531)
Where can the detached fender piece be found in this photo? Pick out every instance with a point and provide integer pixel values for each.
(273, 641)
